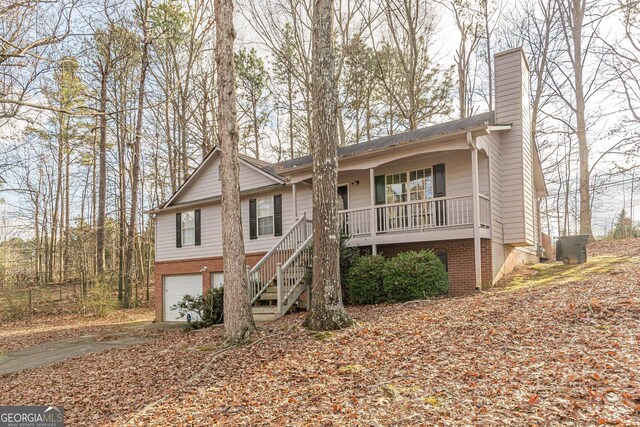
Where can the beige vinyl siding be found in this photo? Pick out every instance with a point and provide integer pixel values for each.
(211, 229)
(209, 235)
(512, 107)
(495, 183)
(457, 175)
(359, 189)
(208, 185)
(265, 243)
(305, 202)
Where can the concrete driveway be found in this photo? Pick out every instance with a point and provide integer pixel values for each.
(57, 351)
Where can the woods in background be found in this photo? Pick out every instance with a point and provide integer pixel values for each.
(107, 106)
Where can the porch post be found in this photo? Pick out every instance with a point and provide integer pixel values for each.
(372, 219)
(295, 200)
(475, 182)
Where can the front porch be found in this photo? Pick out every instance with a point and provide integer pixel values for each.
(445, 218)
(428, 193)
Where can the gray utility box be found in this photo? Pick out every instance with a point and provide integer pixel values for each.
(572, 249)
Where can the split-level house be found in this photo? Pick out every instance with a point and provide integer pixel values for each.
(469, 190)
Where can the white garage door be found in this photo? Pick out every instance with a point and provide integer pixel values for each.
(176, 287)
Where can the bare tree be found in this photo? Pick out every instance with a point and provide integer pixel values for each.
(418, 88)
(238, 318)
(579, 34)
(327, 311)
(28, 29)
(143, 8)
(469, 28)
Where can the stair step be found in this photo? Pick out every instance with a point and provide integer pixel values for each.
(264, 309)
(264, 317)
(269, 296)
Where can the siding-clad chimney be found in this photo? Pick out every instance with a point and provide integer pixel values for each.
(513, 106)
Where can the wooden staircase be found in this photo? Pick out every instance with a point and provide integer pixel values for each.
(279, 278)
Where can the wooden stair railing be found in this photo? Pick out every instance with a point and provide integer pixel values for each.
(291, 276)
(264, 273)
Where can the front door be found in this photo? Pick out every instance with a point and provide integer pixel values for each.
(343, 204)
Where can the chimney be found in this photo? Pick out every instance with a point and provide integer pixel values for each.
(513, 106)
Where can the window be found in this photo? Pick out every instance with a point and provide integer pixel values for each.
(217, 280)
(265, 216)
(412, 186)
(188, 228)
(420, 184)
(396, 188)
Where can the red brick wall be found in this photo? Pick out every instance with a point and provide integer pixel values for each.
(460, 260)
(190, 266)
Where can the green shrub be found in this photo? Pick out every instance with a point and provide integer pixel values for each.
(208, 306)
(366, 280)
(414, 275)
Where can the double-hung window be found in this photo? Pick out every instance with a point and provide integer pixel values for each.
(396, 188)
(188, 228)
(265, 216)
(420, 184)
(420, 188)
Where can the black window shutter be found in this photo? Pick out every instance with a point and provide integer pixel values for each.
(253, 222)
(178, 230)
(196, 215)
(439, 184)
(380, 190)
(277, 215)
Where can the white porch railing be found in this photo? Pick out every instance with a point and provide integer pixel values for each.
(415, 215)
(485, 211)
(355, 222)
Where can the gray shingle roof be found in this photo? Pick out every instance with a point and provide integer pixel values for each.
(484, 119)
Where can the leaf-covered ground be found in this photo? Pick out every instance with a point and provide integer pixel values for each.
(24, 333)
(534, 352)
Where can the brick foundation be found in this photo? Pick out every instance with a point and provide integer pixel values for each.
(460, 260)
(190, 266)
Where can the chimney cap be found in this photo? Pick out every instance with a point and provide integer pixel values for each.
(512, 51)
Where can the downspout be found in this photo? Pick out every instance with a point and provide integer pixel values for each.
(475, 182)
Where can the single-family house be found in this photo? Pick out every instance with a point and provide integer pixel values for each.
(469, 189)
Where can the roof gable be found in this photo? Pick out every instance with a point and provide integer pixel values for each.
(205, 183)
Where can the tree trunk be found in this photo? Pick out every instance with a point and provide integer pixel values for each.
(238, 318)
(135, 172)
(485, 12)
(290, 112)
(583, 149)
(102, 178)
(327, 311)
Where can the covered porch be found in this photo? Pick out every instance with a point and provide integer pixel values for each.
(423, 197)
(432, 192)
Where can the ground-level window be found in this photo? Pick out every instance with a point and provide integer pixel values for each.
(444, 259)
(188, 229)
(217, 280)
(264, 208)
